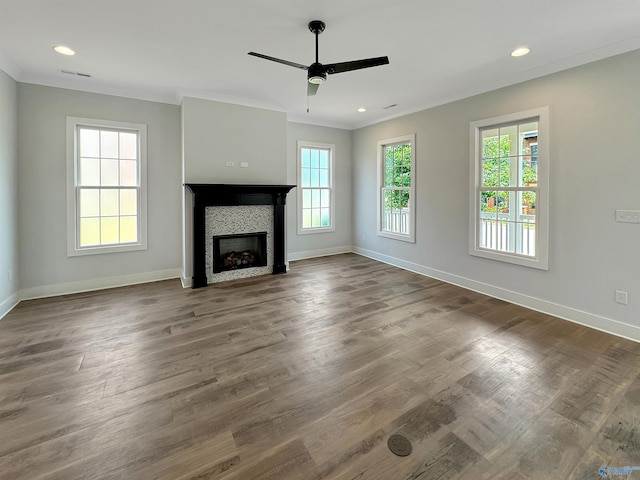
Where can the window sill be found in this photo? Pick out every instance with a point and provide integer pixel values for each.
(307, 231)
(397, 236)
(80, 252)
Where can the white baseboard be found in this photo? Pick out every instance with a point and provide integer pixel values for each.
(9, 304)
(319, 253)
(597, 322)
(98, 284)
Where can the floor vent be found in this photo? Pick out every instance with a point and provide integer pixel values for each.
(399, 445)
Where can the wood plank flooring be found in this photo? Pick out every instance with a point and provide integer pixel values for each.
(305, 376)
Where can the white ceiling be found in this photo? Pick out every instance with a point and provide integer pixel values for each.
(439, 50)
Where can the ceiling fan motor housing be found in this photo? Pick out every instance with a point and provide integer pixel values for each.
(316, 73)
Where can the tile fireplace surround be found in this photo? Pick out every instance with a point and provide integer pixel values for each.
(212, 195)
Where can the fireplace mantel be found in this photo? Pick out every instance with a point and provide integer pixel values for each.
(212, 195)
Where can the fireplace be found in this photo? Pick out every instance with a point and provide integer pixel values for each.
(244, 250)
(266, 204)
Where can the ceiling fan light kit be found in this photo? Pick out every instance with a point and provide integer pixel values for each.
(317, 72)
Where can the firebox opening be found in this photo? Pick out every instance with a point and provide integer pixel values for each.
(245, 250)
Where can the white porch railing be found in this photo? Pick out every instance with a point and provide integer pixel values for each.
(496, 233)
(504, 234)
(396, 221)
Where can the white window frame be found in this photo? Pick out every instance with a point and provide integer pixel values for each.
(300, 190)
(382, 144)
(541, 258)
(73, 247)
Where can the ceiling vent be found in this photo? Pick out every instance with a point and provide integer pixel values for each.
(77, 74)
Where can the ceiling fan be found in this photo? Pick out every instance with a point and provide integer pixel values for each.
(317, 72)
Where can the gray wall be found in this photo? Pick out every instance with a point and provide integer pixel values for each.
(595, 169)
(45, 267)
(9, 274)
(310, 245)
(215, 133)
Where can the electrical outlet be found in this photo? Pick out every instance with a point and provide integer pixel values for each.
(10, 275)
(229, 164)
(621, 297)
(244, 165)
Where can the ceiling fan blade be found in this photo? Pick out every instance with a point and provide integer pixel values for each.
(312, 88)
(355, 64)
(274, 59)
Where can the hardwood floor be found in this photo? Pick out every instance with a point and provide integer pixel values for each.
(305, 376)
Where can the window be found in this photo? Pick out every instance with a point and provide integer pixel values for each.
(509, 208)
(315, 190)
(106, 181)
(396, 190)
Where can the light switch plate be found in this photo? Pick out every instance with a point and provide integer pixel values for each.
(628, 216)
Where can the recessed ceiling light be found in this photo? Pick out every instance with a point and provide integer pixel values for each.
(361, 110)
(519, 52)
(64, 50)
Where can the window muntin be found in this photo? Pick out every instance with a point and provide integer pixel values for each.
(315, 192)
(510, 208)
(396, 170)
(107, 188)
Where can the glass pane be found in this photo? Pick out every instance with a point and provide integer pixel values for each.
(128, 172)
(528, 135)
(109, 230)
(89, 232)
(397, 155)
(397, 200)
(315, 177)
(108, 202)
(490, 172)
(509, 141)
(388, 175)
(406, 154)
(89, 143)
(490, 143)
(306, 218)
(325, 220)
(324, 159)
(488, 202)
(324, 199)
(405, 177)
(505, 172)
(109, 172)
(315, 217)
(315, 197)
(404, 199)
(89, 203)
(306, 177)
(108, 144)
(502, 202)
(306, 198)
(324, 177)
(128, 202)
(387, 199)
(89, 171)
(388, 156)
(128, 229)
(315, 159)
(128, 145)
(529, 171)
(528, 202)
(306, 158)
